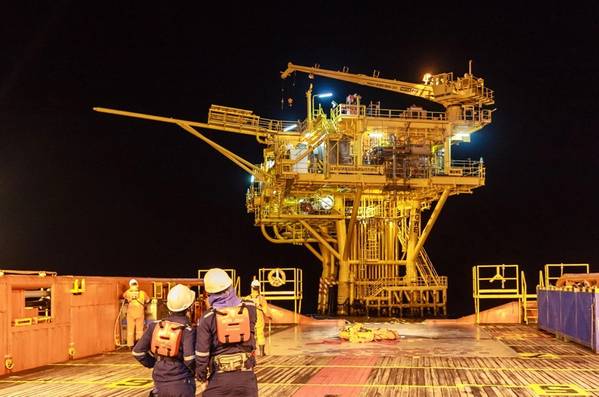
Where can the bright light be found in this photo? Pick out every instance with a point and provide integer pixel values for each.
(324, 95)
(427, 77)
(252, 178)
(375, 134)
(290, 127)
(461, 136)
(334, 103)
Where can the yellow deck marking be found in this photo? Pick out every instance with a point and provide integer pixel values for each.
(132, 382)
(558, 390)
(148, 381)
(562, 369)
(57, 381)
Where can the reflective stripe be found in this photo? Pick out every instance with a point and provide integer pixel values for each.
(208, 314)
(187, 358)
(136, 354)
(202, 354)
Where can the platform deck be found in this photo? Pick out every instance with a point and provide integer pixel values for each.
(431, 360)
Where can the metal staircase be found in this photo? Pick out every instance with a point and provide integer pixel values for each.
(530, 311)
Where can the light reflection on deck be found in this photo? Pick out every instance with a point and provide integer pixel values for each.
(431, 360)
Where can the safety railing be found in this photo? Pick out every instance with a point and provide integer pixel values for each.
(476, 115)
(245, 120)
(282, 284)
(40, 273)
(369, 285)
(502, 282)
(462, 168)
(554, 271)
(375, 111)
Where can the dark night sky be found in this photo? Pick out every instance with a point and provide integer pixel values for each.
(88, 193)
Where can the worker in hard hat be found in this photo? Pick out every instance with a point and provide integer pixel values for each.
(167, 346)
(225, 341)
(262, 313)
(136, 301)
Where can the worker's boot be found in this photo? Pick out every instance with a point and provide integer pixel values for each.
(262, 353)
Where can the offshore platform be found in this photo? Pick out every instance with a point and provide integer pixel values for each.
(351, 184)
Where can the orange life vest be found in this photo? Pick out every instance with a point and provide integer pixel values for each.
(166, 338)
(232, 324)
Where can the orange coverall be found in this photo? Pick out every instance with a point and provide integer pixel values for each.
(135, 314)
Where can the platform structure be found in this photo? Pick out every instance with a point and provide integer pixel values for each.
(352, 184)
(429, 360)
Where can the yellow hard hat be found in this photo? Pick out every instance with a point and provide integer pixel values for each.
(132, 282)
(179, 298)
(217, 280)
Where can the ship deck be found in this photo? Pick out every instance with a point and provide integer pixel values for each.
(438, 359)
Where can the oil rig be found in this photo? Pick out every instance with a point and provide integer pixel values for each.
(351, 184)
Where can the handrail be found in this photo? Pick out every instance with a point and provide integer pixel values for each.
(238, 286)
(561, 266)
(496, 293)
(523, 300)
(40, 273)
(541, 279)
(245, 119)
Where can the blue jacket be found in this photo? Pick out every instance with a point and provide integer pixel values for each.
(207, 345)
(167, 369)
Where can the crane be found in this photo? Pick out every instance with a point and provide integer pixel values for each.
(440, 88)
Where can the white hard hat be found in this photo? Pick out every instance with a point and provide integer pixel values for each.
(179, 298)
(255, 283)
(132, 282)
(217, 280)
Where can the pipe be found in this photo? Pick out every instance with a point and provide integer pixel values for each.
(320, 239)
(431, 221)
(313, 250)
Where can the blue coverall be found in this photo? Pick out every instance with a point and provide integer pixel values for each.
(173, 376)
(236, 383)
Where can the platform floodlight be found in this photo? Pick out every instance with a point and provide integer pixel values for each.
(324, 95)
(290, 127)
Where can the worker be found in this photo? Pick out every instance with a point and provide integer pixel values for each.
(136, 300)
(262, 313)
(225, 342)
(167, 346)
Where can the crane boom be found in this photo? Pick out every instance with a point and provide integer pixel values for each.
(420, 90)
(441, 88)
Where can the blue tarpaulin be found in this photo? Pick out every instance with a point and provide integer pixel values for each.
(570, 314)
